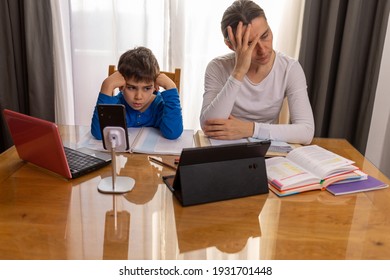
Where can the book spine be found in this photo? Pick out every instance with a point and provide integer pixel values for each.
(201, 140)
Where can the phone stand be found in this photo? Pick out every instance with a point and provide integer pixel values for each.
(115, 140)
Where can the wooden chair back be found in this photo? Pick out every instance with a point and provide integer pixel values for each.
(174, 76)
(284, 115)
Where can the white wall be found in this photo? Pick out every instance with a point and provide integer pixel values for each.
(378, 150)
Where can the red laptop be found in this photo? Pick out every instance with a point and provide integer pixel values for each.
(38, 141)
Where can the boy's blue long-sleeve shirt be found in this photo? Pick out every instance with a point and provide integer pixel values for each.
(163, 113)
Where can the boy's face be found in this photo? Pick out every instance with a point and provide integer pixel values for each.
(139, 95)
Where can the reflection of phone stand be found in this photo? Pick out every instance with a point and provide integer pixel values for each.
(116, 234)
(115, 140)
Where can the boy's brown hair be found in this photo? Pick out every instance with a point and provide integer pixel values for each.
(139, 64)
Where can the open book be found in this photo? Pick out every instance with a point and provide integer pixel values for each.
(277, 148)
(309, 168)
(148, 140)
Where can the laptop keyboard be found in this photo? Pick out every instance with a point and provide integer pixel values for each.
(79, 161)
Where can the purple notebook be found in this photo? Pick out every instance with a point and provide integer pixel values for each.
(358, 186)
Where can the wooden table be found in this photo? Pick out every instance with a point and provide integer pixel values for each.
(43, 216)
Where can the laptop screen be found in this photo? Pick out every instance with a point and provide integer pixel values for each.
(37, 141)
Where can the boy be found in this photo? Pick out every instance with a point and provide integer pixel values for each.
(138, 78)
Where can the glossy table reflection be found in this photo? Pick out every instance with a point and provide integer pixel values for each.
(43, 216)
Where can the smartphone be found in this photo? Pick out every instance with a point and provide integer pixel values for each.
(112, 115)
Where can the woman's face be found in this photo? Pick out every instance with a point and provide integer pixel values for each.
(261, 32)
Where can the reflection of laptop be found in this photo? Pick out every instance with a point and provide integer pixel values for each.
(38, 141)
(219, 172)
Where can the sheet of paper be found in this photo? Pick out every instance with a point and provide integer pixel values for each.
(152, 142)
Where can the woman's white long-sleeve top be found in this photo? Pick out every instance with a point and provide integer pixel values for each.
(262, 102)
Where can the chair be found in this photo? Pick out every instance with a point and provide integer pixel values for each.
(174, 76)
(284, 115)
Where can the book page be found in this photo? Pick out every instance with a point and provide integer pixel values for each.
(93, 144)
(150, 141)
(90, 142)
(216, 142)
(186, 140)
(277, 148)
(133, 133)
(285, 174)
(147, 140)
(320, 162)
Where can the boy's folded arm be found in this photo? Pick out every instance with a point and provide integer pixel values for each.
(165, 82)
(171, 125)
(112, 82)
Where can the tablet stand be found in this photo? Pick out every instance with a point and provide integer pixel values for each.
(114, 138)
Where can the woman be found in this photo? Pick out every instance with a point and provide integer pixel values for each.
(244, 90)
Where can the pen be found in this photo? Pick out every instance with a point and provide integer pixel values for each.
(162, 163)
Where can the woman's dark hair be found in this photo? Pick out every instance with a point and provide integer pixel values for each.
(139, 64)
(240, 10)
